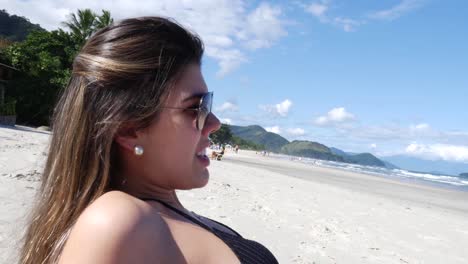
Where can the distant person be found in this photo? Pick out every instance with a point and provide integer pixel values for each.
(236, 148)
(131, 128)
(218, 155)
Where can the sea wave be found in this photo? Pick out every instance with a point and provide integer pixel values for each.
(442, 180)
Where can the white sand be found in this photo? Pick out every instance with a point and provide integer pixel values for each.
(302, 213)
(22, 153)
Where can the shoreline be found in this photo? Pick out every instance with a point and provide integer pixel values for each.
(409, 180)
(301, 212)
(308, 214)
(431, 195)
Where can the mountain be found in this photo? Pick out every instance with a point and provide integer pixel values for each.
(338, 152)
(389, 165)
(258, 135)
(276, 143)
(15, 28)
(417, 164)
(310, 149)
(366, 159)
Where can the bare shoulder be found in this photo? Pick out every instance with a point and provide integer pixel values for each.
(117, 228)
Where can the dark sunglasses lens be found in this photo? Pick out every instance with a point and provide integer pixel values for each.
(205, 110)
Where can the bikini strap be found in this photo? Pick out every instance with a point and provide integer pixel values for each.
(180, 212)
(219, 223)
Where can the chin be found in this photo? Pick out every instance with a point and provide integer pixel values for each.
(204, 179)
(198, 181)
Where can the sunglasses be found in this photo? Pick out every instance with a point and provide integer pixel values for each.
(203, 109)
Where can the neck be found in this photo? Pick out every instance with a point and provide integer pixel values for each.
(170, 199)
(155, 193)
(141, 187)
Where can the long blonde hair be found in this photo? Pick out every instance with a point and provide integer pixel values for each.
(122, 74)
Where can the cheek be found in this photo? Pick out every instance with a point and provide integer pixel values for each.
(187, 145)
(172, 145)
(177, 148)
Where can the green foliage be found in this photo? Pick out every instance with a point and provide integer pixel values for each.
(15, 28)
(103, 20)
(222, 136)
(8, 108)
(245, 144)
(258, 135)
(298, 145)
(310, 149)
(225, 136)
(83, 24)
(257, 138)
(44, 61)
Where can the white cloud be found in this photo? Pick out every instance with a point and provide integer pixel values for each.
(320, 11)
(296, 131)
(283, 108)
(228, 106)
(280, 109)
(335, 116)
(347, 24)
(373, 146)
(227, 27)
(226, 121)
(273, 129)
(219, 41)
(228, 59)
(263, 27)
(419, 127)
(438, 151)
(453, 137)
(393, 138)
(317, 9)
(396, 11)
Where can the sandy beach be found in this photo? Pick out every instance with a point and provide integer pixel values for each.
(301, 212)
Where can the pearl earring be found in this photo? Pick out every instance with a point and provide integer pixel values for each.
(138, 150)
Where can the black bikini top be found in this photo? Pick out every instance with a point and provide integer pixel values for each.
(247, 251)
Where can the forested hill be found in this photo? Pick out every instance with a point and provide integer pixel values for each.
(303, 148)
(43, 61)
(258, 135)
(311, 150)
(15, 28)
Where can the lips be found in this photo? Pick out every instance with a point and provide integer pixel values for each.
(203, 158)
(202, 153)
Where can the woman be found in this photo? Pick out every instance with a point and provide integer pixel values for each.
(131, 128)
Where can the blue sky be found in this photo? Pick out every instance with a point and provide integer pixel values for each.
(386, 77)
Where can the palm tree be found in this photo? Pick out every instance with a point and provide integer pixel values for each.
(86, 22)
(103, 20)
(82, 24)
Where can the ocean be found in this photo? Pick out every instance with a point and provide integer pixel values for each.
(444, 181)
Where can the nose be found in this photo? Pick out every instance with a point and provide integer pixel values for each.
(212, 124)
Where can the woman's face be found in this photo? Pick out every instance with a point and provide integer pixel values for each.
(174, 155)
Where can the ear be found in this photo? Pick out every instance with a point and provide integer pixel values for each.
(127, 137)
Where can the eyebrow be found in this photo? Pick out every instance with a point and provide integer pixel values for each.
(193, 96)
